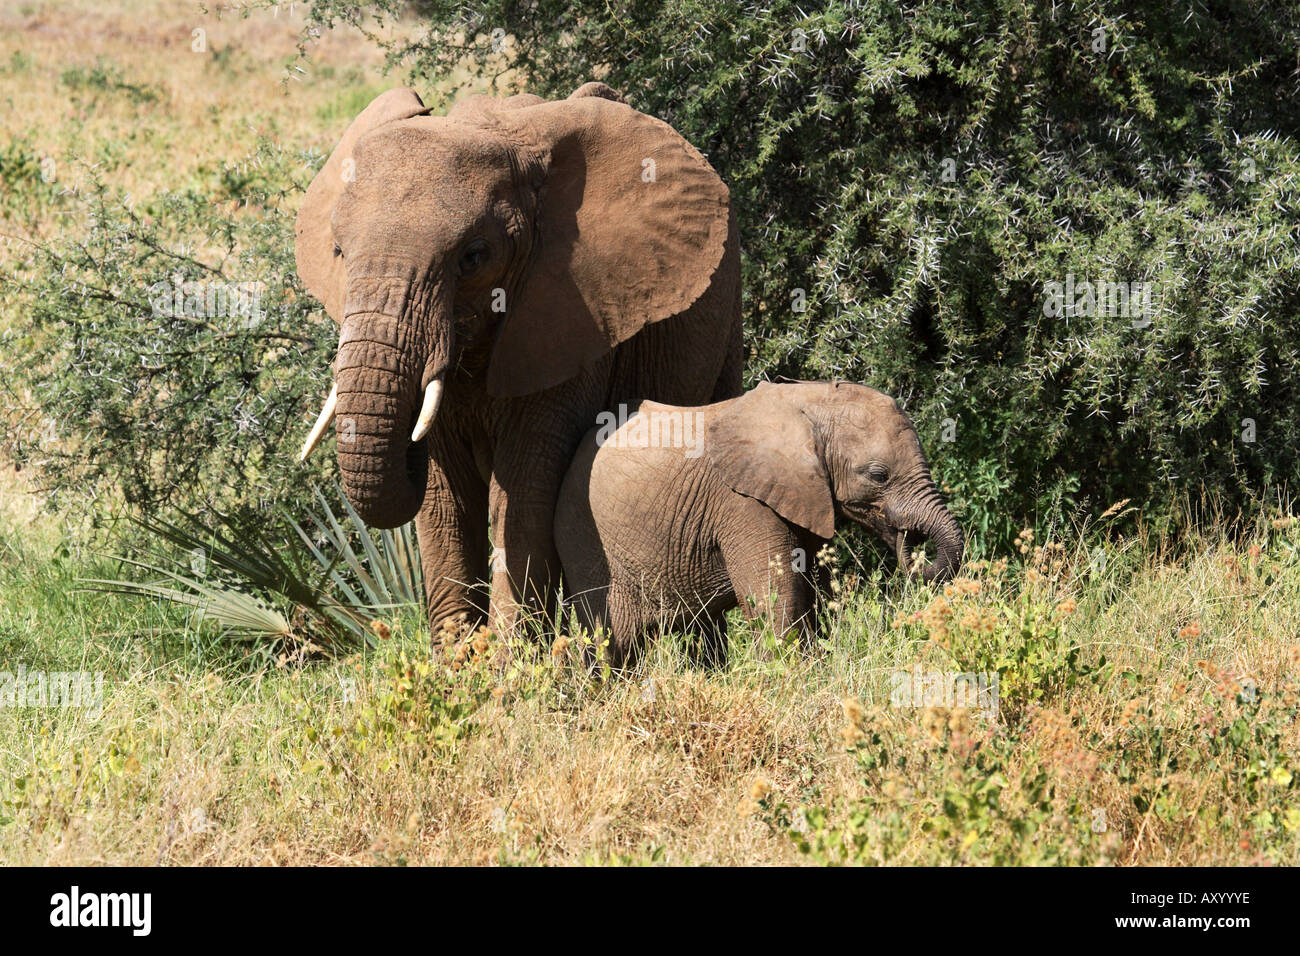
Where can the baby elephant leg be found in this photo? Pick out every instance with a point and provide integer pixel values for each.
(588, 607)
(627, 629)
(775, 581)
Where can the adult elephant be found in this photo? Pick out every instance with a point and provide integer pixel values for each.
(501, 276)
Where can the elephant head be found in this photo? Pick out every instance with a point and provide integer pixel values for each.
(514, 241)
(812, 451)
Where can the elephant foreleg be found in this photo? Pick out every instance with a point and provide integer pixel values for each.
(533, 445)
(770, 580)
(525, 565)
(453, 541)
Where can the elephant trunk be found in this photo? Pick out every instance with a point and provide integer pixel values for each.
(381, 376)
(926, 517)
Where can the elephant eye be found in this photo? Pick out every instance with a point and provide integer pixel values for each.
(473, 257)
(337, 251)
(878, 473)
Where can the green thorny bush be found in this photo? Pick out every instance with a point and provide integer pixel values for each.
(1073, 756)
(910, 177)
(910, 180)
(159, 352)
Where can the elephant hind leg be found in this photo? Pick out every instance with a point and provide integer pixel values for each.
(586, 603)
(630, 630)
(534, 443)
(525, 564)
(729, 382)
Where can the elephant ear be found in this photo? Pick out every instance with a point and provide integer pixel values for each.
(471, 107)
(763, 447)
(631, 223)
(321, 271)
(596, 88)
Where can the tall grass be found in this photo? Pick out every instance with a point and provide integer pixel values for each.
(1147, 717)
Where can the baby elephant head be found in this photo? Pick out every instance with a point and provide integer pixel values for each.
(812, 451)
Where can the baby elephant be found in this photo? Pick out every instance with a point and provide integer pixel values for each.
(679, 514)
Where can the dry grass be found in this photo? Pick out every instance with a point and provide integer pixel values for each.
(458, 758)
(207, 108)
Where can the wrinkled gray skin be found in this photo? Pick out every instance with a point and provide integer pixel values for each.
(674, 537)
(543, 261)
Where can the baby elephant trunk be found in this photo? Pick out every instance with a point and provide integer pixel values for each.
(928, 518)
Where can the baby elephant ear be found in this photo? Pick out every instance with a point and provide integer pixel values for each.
(763, 447)
(596, 88)
(472, 108)
(322, 272)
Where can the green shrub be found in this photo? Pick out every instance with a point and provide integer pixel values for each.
(912, 181)
(28, 184)
(106, 78)
(166, 355)
(279, 584)
(917, 173)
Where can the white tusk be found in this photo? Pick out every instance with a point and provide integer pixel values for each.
(432, 396)
(904, 558)
(322, 422)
